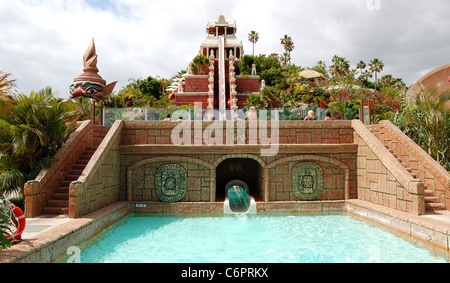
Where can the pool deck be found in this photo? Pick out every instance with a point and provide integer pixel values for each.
(47, 237)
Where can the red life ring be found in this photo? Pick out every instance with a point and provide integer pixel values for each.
(21, 222)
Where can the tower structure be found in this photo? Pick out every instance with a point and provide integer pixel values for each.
(218, 86)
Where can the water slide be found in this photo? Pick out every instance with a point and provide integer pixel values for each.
(222, 96)
(238, 199)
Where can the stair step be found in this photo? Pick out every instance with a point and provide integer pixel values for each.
(72, 178)
(76, 172)
(431, 199)
(85, 157)
(434, 206)
(61, 196)
(58, 203)
(82, 162)
(428, 193)
(78, 167)
(65, 184)
(56, 210)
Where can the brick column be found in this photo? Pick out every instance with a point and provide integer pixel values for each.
(76, 192)
(32, 191)
(417, 191)
(211, 82)
(233, 93)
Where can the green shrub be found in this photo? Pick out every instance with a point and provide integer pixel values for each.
(5, 224)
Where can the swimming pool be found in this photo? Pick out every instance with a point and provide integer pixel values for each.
(318, 238)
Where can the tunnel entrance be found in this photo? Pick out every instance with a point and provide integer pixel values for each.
(246, 170)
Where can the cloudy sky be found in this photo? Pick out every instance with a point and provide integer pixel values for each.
(42, 42)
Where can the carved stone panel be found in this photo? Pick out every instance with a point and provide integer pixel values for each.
(171, 185)
(307, 181)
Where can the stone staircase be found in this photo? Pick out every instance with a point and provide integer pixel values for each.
(432, 203)
(59, 203)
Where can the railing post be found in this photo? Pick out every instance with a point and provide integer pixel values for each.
(32, 192)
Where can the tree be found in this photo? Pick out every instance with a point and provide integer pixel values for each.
(340, 67)
(321, 67)
(150, 87)
(6, 87)
(30, 137)
(288, 44)
(253, 37)
(387, 80)
(361, 66)
(376, 66)
(285, 59)
(430, 113)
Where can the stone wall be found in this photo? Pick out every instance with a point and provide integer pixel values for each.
(434, 176)
(382, 179)
(285, 132)
(39, 191)
(192, 98)
(196, 83)
(247, 84)
(148, 146)
(308, 161)
(98, 185)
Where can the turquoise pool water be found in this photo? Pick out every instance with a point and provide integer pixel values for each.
(336, 238)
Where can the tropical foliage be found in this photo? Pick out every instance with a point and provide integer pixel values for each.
(141, 93)
(289, 46)
(376, 66)
(5, 225)
(426, 120)
(32, 130)
(339, 87)
(253, 37)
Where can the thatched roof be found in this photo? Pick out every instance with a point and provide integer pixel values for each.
(310, 74)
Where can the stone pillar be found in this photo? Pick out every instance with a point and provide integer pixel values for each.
(266, 185)
(212, 176)
(33, 205)
(233, 93)
(211, 82)
(76, 192)
(417, 191)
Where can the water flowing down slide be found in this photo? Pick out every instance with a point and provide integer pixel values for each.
(238, 199)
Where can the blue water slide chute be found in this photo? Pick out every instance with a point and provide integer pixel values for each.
(238, 198)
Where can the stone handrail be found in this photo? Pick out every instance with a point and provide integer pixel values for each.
(424, 158)
(80, 191)
(413, 186)
(36, 191)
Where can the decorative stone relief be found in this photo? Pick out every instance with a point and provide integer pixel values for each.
(307, 181)
(171, 185)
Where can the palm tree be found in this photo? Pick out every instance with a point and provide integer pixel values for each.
(285, 58)
(253, 37)
(340, 67)
(288, 45)
(361, 66)
(6, 87)
(387, 80)
(376, 66)
(29, 138)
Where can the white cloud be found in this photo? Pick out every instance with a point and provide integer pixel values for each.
(42, 42)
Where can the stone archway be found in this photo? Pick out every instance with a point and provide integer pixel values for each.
(247, 170)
